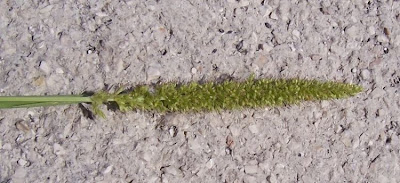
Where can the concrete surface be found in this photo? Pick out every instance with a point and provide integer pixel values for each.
(68, 47)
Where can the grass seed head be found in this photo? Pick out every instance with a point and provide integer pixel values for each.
(210, 96)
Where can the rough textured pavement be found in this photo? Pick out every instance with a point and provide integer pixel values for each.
(68, 47)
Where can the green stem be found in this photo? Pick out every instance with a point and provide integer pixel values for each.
(55, 98)
(36, 101)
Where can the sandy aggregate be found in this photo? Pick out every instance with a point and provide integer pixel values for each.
(69, 47)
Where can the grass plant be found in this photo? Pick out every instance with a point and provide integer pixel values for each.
(210, 96)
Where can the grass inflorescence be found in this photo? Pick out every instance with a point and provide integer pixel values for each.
(210, 96)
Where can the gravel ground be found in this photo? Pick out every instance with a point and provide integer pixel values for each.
(69, 47)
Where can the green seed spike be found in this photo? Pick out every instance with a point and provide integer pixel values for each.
(172, 97)
(210, 96)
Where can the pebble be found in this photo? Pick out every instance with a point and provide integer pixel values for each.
(210, 163)
(123, 44)
(45, 67)
(251, 169)
(396, 41)
(274, 15)
(339, 129)
(153, 73)
(7, 146)
(365, 74)
(352, 31)
(235, 131)
(173, 171)
(346, 140)
(19, 175)
(59, 71)
(381, 112)
(119, 66)
(354, 70)
(172, 131)
(40, 45)
(268, 47)
(254, 129)
(317, 114)
(324, 104)
(306, 161)
(316, 57)
(195, 145)
(101, 14)
(296, 33)
(22, 162)
(382, 39)
(194, 70)
(58, 149)
(228, 151)
(244, 3)
(371, 30)
(46, 9)
(108, 169)
(22, 126)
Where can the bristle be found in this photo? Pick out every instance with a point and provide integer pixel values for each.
(228, 95)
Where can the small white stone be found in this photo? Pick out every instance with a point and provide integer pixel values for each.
(108, 169)
(338, 129)
(354, 70)
(106, 68)
(46, 9)
(194, 145)
(22, 162)
(371, 30)
(396, 41)
(382, 38)
(244, 3)
(59, 71)
(352, 31)
(194, 70)
(58, 149)
(7, 146)
(316, 57)
(119, 66)
(317, 114)
(101, 14)
(172, 131)
(153, 73)
(274, 16)
(346, 141)
(173, 171)
(268, 47)
(370, 143)
(381, 112)
(296, 33)
(45, 67)
(228, 151)
(306, 161)
(365, 74)
(210, 163)
(324, 104)
(254, 129)
(123, 44)
(251, 169)
(40, 45)
(235, 131)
